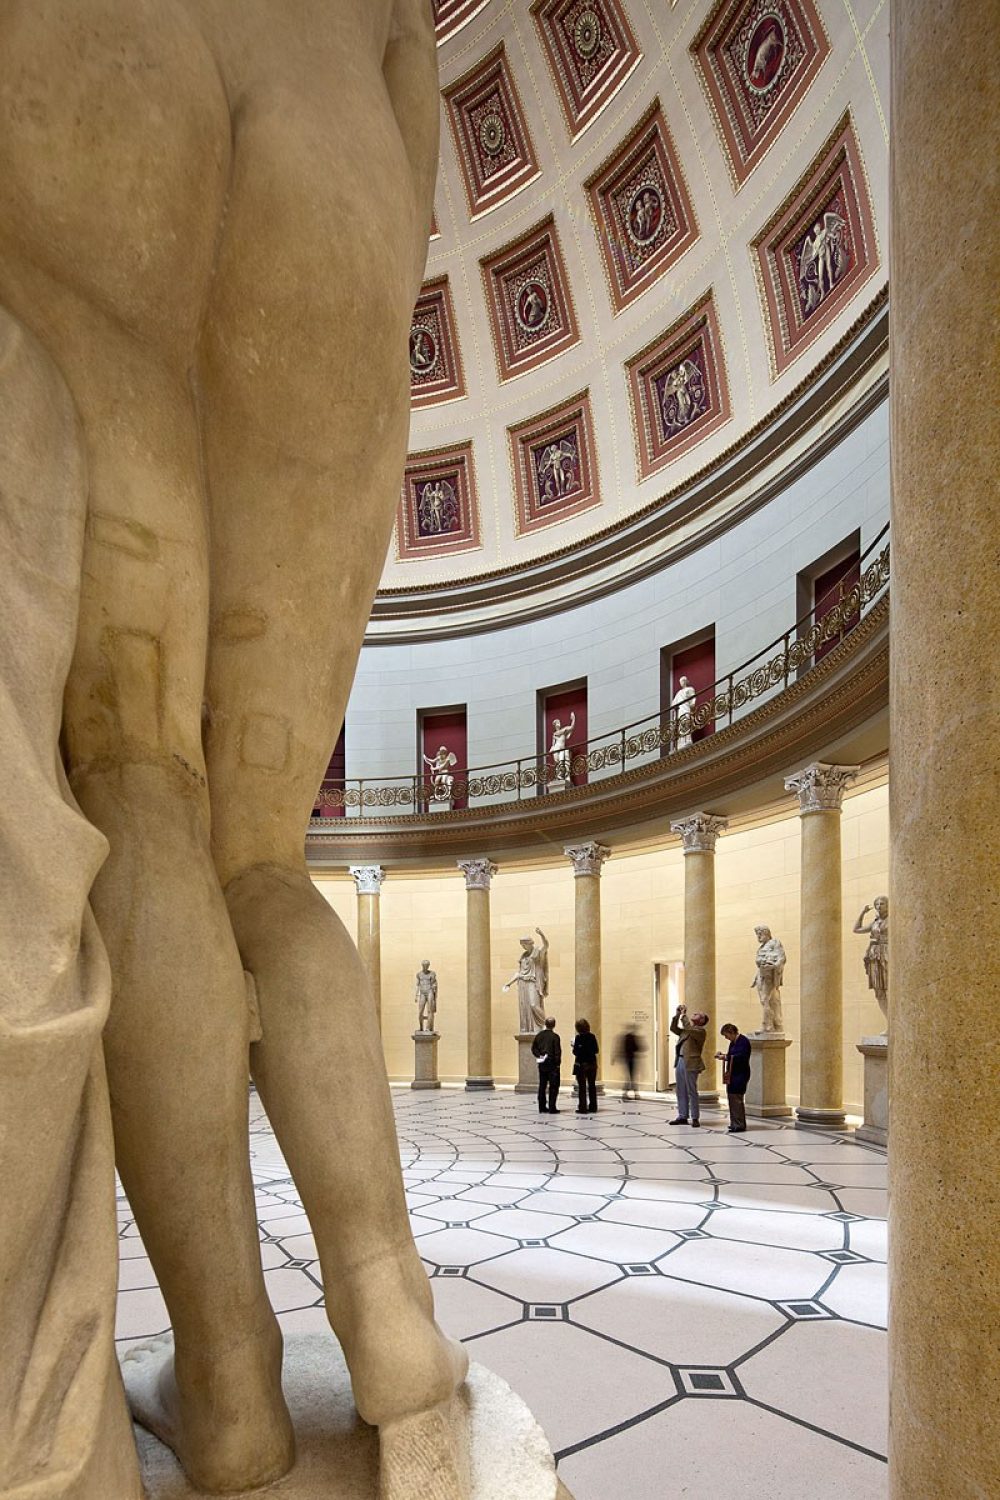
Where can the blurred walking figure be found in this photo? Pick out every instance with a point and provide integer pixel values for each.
(735, 1075)
(585, 1050)
(627, 1049)
(688, 1063)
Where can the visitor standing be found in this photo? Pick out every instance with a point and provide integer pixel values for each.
(688, 1063)
(547, 1047)
(585, 1051)
(735, 1075)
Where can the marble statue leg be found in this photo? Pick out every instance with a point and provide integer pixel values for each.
(109, 263)
(64, 1429)
(304, 440)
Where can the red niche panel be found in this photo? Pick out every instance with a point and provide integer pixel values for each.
(438, 510)
(678, 388)
(334, 781)
(553, 458)
(829, 588)
(444, 729)
(567, 705)
(435, 362)
(697, 664)
(449, 15)
(756, 59)
(532, 318)
(491, 134)
(641, 209)
(817, 250)
(590, 49)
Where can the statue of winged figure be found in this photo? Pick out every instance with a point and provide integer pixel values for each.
(825, 256)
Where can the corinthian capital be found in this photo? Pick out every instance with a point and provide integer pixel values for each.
(821, 787)
(478, 873)
(700, 832)
(587, 858)
(368, 879)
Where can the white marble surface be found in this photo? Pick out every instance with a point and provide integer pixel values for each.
(676, 1307)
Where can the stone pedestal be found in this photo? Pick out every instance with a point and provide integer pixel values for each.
(875, 1051)
(425, 1060)
(527, 1064)
(765, 1098)
(337, 1455)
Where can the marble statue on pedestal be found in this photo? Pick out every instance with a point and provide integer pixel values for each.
(683, 703)
(559, 748)
(532, 979)
(440, 767)
(426, 996)
(876, 958)
(767, 980)
(212, 216)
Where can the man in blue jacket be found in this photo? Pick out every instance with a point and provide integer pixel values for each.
(736, 1075)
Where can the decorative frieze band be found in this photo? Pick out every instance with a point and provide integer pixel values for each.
(478, 873)
(588, 857)
(368, 879)
(821, 787)
(700, 832)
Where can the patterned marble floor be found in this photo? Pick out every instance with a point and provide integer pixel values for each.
(686, 1312)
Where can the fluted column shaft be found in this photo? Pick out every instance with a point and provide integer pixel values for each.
(478, 975)
(699, 834)
(368, 880)
(944, 1264)
(587, 860)
(820, 791)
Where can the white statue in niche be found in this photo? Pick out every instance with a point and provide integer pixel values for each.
(426, 997)
(683, 704)
(767, 980)
(532, 979)
(876, 958)
(559, 748)
(442, 780)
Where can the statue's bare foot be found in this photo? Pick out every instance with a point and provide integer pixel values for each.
(230, 1430)
(425, 1456)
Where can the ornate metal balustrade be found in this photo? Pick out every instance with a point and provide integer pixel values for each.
(785, 660)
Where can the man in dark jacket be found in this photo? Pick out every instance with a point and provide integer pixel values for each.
(736, 1075)
(548, 1049)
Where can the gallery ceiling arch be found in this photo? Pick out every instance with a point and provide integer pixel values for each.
(655, 225)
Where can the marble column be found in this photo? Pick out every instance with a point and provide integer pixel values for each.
(479, 1002)
(820, 791)
(368, 880)
(587, 860)
(699, 835)
(944, 695)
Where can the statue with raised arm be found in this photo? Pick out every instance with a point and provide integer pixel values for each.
(876, 958)
(442, 779)
(767, 980)
(559, 748)
(532, 979)
(682, 704)
(426, 996)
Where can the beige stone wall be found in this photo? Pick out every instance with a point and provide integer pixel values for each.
(757, 880)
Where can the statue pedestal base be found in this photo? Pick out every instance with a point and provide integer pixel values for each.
(875, 1051)
(337, 1454)
(765, 1096)
(425, 1060)
(527, 1064)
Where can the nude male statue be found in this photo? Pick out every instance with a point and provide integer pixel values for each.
(768, 979)
(426, 996)
(213, 222)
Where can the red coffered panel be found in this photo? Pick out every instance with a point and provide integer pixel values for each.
(449, 15)
(591, 51)
(817, 249)
(435, 362)
(439, 509)
(527, 293)
(756, 59)
(555, 473)
(641, 209)
(678, 388)
(491, 135)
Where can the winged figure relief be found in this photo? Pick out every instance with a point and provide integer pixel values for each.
(823, 259)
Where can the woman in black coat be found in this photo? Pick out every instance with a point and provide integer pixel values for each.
(585, 1051)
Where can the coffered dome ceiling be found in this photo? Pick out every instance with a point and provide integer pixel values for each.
(656, 225)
